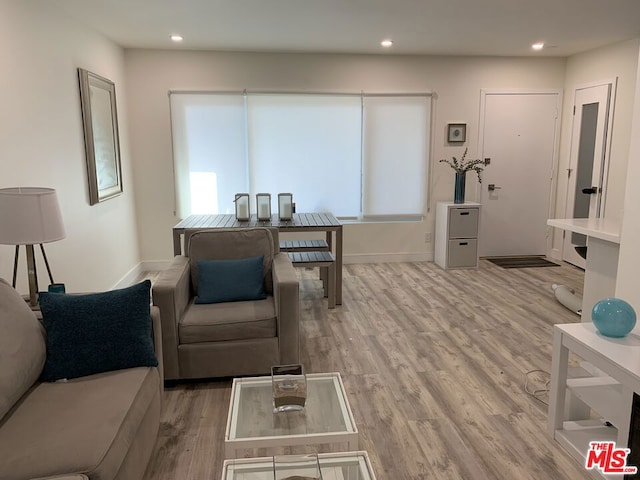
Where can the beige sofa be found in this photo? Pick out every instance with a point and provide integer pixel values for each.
(101, 426)
(231, 338)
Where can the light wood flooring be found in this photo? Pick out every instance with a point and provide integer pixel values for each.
(434, 364)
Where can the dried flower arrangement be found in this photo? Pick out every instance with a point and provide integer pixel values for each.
(463, 165)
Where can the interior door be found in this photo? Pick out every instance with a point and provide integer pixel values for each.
(587, 163)
(519, 136)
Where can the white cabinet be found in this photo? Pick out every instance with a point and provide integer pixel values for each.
(456, 239)
(597, 406)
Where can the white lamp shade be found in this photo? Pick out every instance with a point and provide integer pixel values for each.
(29, 216)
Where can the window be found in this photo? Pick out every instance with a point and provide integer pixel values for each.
(209, 148)
(308, 145)
(357, 156)
(395, 151)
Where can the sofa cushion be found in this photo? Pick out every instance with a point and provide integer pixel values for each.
(99, 332)
(231, 244)
(228, 321)
(85, 425)
(230, 280)
(22, 347)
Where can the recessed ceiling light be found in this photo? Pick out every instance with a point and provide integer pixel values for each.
(538, 46)
(386, 43)
(176, 38)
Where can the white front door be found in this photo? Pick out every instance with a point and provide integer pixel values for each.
(518, 133)
(587, 163)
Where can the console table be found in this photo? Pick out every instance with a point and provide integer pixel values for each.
(603, 245)
(300, 222)
(613, 367)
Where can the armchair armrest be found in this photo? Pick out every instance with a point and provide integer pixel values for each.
(171, 294)
(286, 295)
(157, 341)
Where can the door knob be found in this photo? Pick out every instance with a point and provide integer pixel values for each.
(589, 191)
(492, 187)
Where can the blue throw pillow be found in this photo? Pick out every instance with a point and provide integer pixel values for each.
(99, 332)
(230, 280)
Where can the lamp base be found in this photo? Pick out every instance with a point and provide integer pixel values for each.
(27, 300)
(32, 273)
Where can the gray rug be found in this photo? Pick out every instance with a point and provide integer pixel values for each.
(522, 262)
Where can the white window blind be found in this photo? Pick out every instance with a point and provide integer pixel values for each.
(395, 149)
(352, 155)
(308, 145)
(209, 147)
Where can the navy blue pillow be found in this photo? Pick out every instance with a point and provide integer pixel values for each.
(99, 332)
(230, 280)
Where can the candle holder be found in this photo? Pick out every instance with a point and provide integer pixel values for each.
(297, 467)
(285, 206)
(242, 207)
(56, 288)
(263, 205)
(289, 386)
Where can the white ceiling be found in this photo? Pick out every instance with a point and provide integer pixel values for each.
(433, 27)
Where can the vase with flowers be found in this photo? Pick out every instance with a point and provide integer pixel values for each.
(461, 168)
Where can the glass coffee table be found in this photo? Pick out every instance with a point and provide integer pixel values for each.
(334, 466)
(326, 418)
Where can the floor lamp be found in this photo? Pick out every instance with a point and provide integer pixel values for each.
(30, 216)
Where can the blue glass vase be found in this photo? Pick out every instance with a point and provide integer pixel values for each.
(613, 317)
(458, 193)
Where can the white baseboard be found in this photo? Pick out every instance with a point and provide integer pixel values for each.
(129, 278)
(132, 275)
(556, 254)
(159, 265)
(388, 257)
(155, 265)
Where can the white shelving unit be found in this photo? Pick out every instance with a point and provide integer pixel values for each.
(456, 239)
(603, 242)
(579, 407)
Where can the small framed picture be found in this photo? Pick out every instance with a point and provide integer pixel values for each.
(456, 132)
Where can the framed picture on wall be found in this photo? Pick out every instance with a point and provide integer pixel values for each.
(456, 132)
(102, 145)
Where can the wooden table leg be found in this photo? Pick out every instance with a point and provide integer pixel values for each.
(177, 247)
(331, 286)
(338, 282)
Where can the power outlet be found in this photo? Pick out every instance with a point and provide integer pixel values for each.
(427, 237)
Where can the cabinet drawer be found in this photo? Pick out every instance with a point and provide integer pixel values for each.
(463, 253)
(463, 222)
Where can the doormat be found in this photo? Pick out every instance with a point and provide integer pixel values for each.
(521, 262)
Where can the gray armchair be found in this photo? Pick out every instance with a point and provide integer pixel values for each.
(231, 338)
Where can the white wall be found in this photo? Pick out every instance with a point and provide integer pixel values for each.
(457, 81)
(42, 143)
(619, 60)
(629, 259)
